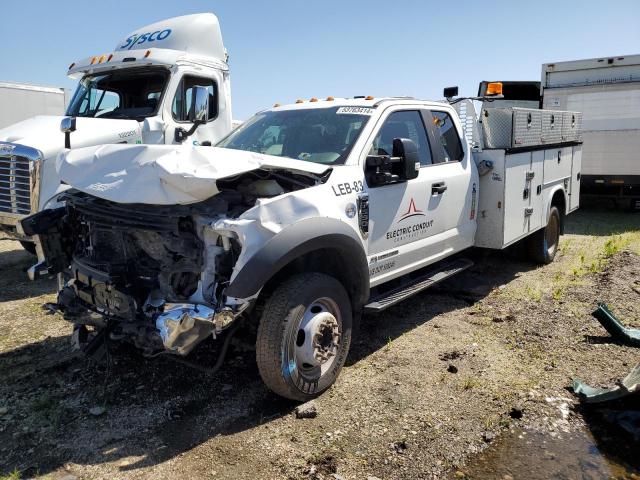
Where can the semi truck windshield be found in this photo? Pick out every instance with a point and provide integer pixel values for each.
(128, 94)
(320, 135)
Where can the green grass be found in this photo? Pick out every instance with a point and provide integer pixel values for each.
(15, 475)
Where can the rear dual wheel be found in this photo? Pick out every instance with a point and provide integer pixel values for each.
(304, 336)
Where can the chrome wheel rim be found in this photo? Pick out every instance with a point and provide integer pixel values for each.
(316, 340)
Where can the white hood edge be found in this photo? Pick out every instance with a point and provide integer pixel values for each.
(163, 174)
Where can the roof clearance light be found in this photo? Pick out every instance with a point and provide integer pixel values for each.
(369, 97)
(330, 99)
(93, 60)
(276, 105)
(72, 65)
(109, 57)
(494, 88)
(147, 53)
(102, 58)
(299, 101)
(313, 99)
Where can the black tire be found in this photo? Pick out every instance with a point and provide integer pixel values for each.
(29, 247)
(306, 299)
(543, 244)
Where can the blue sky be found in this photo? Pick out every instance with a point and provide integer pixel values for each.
(284, 50)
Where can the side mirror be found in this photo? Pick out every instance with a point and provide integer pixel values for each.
(67, 125)
(402, 165)
(407, 151)
(199, 111)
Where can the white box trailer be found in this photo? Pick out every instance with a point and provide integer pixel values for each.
(607, 92)
(19, 101)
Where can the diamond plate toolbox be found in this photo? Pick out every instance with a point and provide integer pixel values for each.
(511, 127)
(571, 126)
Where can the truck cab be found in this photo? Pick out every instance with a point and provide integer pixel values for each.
(140, 93)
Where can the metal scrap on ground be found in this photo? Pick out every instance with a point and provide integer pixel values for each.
(631, 383)
(616, 329)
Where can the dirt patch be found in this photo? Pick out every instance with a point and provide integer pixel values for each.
(514, 333)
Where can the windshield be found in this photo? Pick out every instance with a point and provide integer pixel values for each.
(130, 94)
(320, 135)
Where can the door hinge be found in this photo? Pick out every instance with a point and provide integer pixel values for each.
(530, 175)
(528, 211)
(363, 213)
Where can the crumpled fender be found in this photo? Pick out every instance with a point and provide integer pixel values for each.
(299, 239)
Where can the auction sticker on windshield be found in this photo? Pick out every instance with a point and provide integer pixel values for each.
(354, 111)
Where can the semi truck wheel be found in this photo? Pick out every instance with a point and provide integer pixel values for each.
(543, 244)
(304, 336)
(29, 247)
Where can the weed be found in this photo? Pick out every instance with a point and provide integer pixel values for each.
(469, 383)
(557, 293)
(15, 475)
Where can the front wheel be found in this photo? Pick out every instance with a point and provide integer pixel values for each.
(543, 244)
(304, 336)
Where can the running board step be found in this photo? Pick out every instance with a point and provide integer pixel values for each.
(441, 272)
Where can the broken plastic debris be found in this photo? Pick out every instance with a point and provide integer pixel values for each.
(630, 336)
(630, 384)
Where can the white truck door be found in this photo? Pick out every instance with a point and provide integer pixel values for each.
(398, 212)
(412, 223)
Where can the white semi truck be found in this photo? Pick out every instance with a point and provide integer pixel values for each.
(141, 93)
(301, 219)
(20, 101)
(607, 92)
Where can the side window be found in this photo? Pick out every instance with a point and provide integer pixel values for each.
(184, 94)
(449, 138)
(404, 124)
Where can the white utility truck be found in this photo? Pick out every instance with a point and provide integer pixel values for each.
(141, 93)
(607, 92)
(301, 219)
(20, 101)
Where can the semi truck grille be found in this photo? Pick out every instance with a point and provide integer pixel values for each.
(15, 190)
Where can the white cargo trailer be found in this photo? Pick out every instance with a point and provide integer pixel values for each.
(607, 92)
(19, 101)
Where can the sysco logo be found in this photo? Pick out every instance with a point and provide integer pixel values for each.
(145, 37)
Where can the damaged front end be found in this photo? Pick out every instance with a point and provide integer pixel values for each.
(151, 275)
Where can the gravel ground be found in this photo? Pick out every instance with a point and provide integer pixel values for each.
(429, 383)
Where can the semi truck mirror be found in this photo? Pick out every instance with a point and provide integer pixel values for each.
(67, 125)
(199, 111)
(407, 150)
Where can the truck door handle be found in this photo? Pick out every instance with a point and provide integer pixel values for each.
(437, 188)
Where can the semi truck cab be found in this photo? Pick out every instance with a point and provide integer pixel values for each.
(143, 92)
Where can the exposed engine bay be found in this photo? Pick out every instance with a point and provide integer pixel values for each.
(153, 275)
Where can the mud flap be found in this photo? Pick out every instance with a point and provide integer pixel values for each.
(49, 226)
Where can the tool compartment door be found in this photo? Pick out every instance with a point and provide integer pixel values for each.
(576, 165)
(517, 196)
(557, 164)
(537, 219)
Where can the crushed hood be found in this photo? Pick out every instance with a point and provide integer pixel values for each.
(42, 132)
(163, 174)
